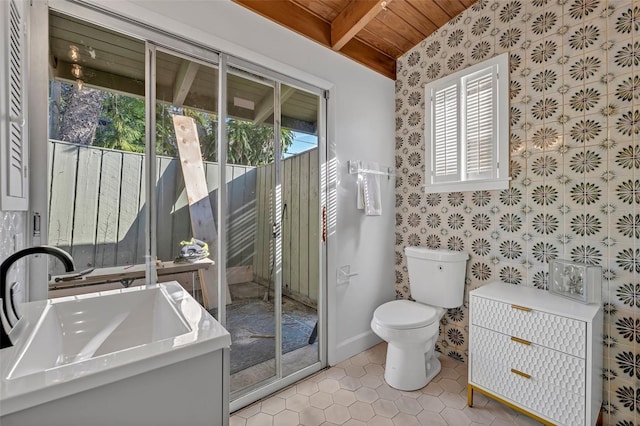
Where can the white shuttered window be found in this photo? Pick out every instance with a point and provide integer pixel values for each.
(467, 129)
(13, 117)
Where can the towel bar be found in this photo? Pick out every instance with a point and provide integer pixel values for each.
(355, 167)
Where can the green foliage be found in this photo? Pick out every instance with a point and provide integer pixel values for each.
(253, 145)
(122, 127)
(122, 123)
(165, 136)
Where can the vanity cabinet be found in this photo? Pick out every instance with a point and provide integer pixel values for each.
(537, 352)
(14, 183)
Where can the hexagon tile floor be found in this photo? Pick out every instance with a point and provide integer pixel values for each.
(354, 393)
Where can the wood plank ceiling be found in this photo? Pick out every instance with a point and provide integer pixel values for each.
(372, 32)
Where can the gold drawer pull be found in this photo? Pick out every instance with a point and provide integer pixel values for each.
(520, 373)
(518, 340)
(521, 308)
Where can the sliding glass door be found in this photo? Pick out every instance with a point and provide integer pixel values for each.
(170, 162)
(252, 316)
(273, 229)
(301, 230)
(187, 172)
(96, 151)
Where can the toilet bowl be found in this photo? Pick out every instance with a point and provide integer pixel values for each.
(436, 279)
(410, 329)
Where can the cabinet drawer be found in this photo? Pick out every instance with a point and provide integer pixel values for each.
(542, 399)
(553, 331)
(559, 369)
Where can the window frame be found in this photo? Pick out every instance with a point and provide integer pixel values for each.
(498, 66)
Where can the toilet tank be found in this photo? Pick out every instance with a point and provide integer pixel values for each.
(436, 276)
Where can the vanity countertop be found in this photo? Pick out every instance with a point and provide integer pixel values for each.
(170, 327)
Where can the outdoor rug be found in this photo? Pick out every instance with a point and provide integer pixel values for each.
(252, 327)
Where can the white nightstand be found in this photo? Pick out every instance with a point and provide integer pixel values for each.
(537, 352)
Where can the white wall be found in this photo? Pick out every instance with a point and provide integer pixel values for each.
(361, 126)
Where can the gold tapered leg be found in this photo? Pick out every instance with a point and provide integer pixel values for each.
(470, 389)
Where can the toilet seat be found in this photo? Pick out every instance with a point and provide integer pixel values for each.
(405, 315)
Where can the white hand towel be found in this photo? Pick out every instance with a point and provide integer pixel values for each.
(372, 196)
(360, 192)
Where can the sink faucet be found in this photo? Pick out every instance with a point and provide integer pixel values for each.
(7, 301)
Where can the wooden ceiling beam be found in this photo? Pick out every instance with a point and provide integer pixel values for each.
(296, 18)
(292, 16)
(367, 56)
(265, 106)
(352, 19)
(323, 9)
(184, 79)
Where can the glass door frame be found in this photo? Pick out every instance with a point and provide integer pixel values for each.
(245, 397)
(159, 39)
(209, 59)
(38, 110)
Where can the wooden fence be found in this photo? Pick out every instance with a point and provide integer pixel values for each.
(300, 226)
(98, 212)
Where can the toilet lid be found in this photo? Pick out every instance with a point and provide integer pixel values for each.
(404, 314)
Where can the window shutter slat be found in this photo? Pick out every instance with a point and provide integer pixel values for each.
(14, 192)
(445, 134)
(480, 126)
(16, 41)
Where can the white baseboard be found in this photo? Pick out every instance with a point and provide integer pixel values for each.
(355, 345)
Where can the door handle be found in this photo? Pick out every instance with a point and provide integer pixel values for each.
(324, 224)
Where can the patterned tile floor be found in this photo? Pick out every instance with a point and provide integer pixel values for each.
(354, 393)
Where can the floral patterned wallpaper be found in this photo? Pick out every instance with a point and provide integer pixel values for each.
(575, 165)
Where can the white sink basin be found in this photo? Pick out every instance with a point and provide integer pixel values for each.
(71, 331)
(95, 336)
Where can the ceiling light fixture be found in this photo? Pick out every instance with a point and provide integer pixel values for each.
(74, 53)
(76, 70)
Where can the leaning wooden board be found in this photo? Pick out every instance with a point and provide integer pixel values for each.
(203, 225)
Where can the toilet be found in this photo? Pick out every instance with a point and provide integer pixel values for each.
(436, 278)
